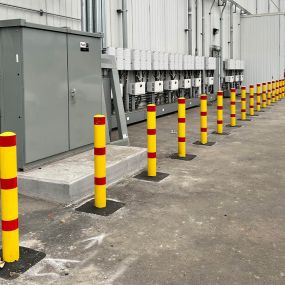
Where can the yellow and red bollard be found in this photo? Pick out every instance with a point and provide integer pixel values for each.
(9, 197)
(233, 121)
(220, 112)
(100, 190)
(258, 97)
(243, 103)
(264, 99)
(273, 92)
(204, 118)
(181, 127)
(277, 91)
(269, 93)
(151, 140)
(282, 88)
(251, 100)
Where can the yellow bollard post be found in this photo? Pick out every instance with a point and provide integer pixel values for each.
(282, 91)
(151, 140)
(273, 92)
(181, 127)
(243, 103)
(277, 91)
(100, 191)
(220, 112)
(264, 99)
(258, 97)
(9, 197)
(269, 93)
(233, 108)
(251, 100)
(204, 118)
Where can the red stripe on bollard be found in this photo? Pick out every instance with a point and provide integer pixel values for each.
(233, 103)
(203, 97)
(99, 151)
(220, 107)
(204, 129)
(220, 121)
(99, 121)
(151, 108)
(243, 110)
(181, 139)
(8, 141)
(151, 154)
(9, 226)
(233, 115)
(181, 120)
(7, 184)
(181, 100)
(151, 132)
(203, 113)
(100, 180)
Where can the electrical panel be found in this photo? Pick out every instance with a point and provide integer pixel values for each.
(155, 60)
(155, 86)
(148, 59)
(196, 82)
(237, 78)
(230, 64)
(143, 59)
(229, 79)
(185, 83)
(210, 63)
(241, 78)
(137, 88)
(170, 85)
(209, 80)
(199, 63)
(127, 57)
(171, 61)
(136, 59)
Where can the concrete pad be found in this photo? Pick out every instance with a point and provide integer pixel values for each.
(71, 179)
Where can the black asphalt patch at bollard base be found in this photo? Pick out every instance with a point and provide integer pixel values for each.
(187, 158)
(159, 176)
(207, 144)
(111, 207)
(237, 126)
(255, 115)
(28, 258)
(222, 134)
(246, 120)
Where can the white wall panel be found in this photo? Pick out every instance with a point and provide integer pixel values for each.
(70, 8)
(262, 48)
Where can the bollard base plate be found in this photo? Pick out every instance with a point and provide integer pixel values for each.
(237, 126)
(221, 134)
(28, 258)
(246, 120)
(255, 115)
(159, 176)
(207, 144)
(89, 208)
(187, 158)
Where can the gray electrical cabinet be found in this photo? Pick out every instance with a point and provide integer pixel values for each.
(50, 88)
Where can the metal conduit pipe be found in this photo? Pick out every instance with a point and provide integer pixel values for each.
(83, 15)
(210, 21)
(203, 29)
(196, 27)
(125, 23)
(231, 32)
(190, 26)
(89, 16)
(221, 45)
(103, 23)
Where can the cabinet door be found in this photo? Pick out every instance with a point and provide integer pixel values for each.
(85, 87)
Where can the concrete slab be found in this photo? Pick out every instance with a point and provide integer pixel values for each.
(71, 179)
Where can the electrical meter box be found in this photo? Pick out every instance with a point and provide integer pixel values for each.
(230, 64)
(185, 83)
(229, 79)
(170, 85)
(51, 90)
(209, 80)
(155, 86)
(210, 63)
(196, 82)
(137, 88)
(237, 78)
(241, 78)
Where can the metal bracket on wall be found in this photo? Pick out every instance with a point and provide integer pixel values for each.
(108, 62)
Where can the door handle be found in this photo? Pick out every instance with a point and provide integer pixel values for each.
(73, 92)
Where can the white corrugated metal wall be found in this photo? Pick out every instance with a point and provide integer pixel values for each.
(62, 13)
(263, 47)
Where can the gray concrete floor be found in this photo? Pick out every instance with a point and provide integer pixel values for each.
(218, 219)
